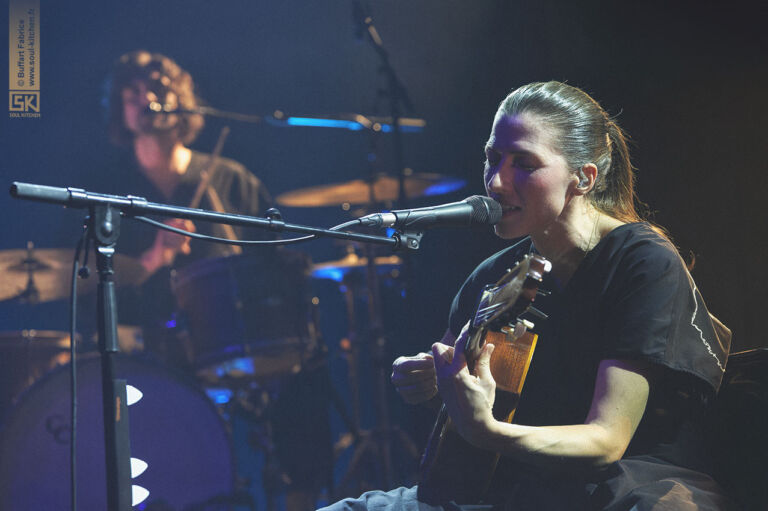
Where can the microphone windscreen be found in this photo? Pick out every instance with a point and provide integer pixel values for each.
(485, 210)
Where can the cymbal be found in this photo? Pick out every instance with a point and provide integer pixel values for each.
(336, 270)
(50, 340)
(26, 355)
(358, 191)
(42, 275)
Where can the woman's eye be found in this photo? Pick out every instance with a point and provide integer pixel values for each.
(524, 165)
(492, 157)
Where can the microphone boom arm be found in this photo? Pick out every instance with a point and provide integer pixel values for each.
(130, 206)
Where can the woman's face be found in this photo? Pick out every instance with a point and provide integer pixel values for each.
(526, 174)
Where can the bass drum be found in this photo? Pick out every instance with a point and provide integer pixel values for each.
(174, 428)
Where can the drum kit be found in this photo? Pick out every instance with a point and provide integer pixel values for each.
(249, 322)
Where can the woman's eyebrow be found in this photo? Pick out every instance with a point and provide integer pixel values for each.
(521, 152)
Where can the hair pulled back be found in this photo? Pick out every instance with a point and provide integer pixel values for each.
(586, 134)
(163, 76)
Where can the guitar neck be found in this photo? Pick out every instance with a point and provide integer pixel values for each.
(452, 468)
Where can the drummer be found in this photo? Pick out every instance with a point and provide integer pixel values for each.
(159, 166)
(164, 168)
(155, 162)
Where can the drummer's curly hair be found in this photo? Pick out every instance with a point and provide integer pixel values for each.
(163, 76)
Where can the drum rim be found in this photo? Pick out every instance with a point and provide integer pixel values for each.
(279, 257)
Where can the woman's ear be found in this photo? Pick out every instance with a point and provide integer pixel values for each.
(586, 175)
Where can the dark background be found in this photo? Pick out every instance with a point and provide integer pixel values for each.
(686, 79)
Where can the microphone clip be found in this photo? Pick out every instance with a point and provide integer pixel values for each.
(408, 239)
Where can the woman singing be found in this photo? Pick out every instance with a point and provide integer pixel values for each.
(612, 413)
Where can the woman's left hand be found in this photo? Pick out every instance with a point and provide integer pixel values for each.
(468, 397)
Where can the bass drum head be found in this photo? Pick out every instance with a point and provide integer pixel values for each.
(174, 429)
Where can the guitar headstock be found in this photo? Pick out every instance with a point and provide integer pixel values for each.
(502, 303)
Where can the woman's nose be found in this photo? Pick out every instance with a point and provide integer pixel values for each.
(493, 179)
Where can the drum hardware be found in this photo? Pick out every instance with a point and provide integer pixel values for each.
(377, 188)
(130, 339)
(397, 189)
(348, 121)
(103, 225)
(251, 323)
(358, 278)
(25, 356)
(351, 273)
(179, 435)
(249, 317)
(35, 275)
(380, 188)
(253, 405)
(387, 266)
(257, 407)
(376, 444)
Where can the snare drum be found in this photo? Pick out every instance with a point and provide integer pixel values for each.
(174, 429)
(248, 315)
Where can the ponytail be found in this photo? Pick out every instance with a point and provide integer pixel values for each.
(587, 134)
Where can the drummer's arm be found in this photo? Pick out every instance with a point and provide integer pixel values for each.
(166, 246)
(152, 259)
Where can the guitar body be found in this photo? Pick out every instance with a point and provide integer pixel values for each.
(451, 468)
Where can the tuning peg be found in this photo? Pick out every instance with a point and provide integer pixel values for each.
(536, 312)
(520, 327)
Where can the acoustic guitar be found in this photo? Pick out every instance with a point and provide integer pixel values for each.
(451, 468)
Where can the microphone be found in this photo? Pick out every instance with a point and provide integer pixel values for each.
(155, 107)
(475, 210)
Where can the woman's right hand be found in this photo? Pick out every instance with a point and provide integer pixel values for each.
(414, 378)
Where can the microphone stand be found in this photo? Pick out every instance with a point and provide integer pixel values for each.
(395, 90)
(348, 121)
(104, 230)
(105, 214)
(380, 441)
(131, 206)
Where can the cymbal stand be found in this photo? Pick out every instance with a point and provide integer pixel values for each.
(30, 294)
(395, 91)
(352, 354)
(256, 408)
(378, 443)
